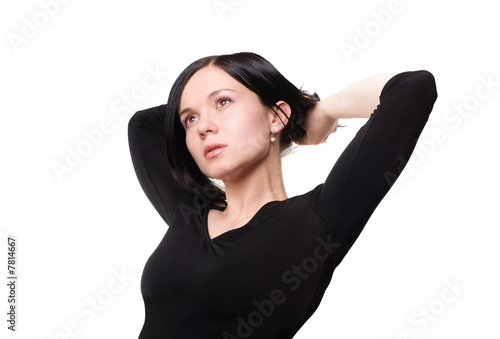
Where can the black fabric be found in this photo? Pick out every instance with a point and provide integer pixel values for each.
(266, 278)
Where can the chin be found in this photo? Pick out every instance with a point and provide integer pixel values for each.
(227, 168)
(215, 171)
(219, 175)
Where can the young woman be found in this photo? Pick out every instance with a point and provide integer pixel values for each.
(245, 260)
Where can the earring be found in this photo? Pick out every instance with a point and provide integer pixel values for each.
(273, 138)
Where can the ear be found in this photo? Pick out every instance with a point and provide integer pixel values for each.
(279, 119)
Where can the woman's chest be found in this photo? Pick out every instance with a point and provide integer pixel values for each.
(227, 274)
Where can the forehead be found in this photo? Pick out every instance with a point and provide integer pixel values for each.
(204, 82)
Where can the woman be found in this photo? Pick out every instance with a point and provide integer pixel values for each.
(246, 260)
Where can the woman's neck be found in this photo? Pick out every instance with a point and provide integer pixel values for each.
(246, 194)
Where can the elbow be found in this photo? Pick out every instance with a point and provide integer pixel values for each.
(136, 119)
(424, 86)
(135, 123)
(416, 88)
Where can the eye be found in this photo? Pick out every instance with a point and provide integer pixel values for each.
(222, 101)
(188, 120)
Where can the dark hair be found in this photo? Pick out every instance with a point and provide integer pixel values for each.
(259, 76)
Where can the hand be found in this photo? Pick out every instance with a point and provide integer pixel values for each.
(318, 125)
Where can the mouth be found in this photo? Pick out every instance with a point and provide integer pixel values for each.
(212, 150)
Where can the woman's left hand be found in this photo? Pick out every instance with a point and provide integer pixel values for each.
(319, 124)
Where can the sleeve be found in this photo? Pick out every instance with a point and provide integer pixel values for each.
(373, 160)
(146, 137)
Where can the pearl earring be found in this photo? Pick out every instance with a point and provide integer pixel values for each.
(273, 138)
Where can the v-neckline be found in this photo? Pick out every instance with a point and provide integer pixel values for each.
(237, 229)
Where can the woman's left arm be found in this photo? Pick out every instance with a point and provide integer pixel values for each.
(357, 100)
(376, 156)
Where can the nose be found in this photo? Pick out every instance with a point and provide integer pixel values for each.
(206, 125)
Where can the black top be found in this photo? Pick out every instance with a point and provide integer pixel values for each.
(266, 278)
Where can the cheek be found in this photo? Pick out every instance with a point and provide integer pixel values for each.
(252, 143)
(250, 134)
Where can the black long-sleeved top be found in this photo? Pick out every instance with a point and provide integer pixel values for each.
(266, 278)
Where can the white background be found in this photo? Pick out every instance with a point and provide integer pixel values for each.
(68, 74)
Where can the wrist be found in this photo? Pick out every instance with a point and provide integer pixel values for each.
(330, 107)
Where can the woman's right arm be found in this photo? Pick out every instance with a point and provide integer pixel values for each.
(146, 137)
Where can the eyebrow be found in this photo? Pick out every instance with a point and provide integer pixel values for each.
(214, 93)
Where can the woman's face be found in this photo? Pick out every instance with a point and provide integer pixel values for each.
(217, 110)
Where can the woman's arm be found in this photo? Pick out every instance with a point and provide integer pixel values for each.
(377, 154)
(357, 100)
(146, 136)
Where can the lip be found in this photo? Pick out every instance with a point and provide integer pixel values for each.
(209, 151)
